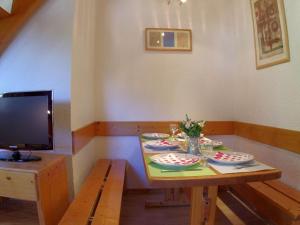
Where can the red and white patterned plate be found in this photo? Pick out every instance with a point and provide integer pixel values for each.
(231, 157)
(204, 140)
(175, 159)
(161, 144)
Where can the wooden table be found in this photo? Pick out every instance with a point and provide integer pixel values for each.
(44, 182)
(199, 183)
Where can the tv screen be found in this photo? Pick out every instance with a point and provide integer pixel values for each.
(26, 120)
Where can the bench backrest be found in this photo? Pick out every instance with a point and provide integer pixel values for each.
(99, 200)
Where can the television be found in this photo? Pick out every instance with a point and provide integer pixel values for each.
(26, 123)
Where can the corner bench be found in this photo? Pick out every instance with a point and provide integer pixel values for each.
(272, 200)
(100, 197)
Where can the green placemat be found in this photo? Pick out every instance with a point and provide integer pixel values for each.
(222, 148)
(155, 170)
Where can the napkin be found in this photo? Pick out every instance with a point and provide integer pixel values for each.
(253, 166)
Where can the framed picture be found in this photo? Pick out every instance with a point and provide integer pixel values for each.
(164, 39)
(270, 33)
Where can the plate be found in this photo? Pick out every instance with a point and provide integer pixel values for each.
(181, 135)
(161, 144)
(231, 157)
(204, 141)
(175, 159)
(154, 136)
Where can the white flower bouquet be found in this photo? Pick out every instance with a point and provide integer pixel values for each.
(192, 128)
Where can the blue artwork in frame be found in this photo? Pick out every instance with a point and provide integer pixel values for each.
(168, 39)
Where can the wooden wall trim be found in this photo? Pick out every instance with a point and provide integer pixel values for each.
(277, 137)
(3, 13)
(83, 136)
(12, 24)
(137, 128)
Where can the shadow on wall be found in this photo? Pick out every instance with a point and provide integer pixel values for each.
(127, 148)
(63, 137)
(62, 128)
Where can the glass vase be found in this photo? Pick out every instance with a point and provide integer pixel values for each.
(193, 145)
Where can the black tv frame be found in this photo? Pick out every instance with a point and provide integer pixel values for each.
(17, 156)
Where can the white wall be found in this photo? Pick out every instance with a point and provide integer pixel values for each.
(83, 85)
(287, 162)
(268, 96)
(40, 59)
(134, 84)
(83, 65)
(217, 81)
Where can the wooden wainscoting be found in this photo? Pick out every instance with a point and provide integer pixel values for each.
(11, 24)
(83, 136)
(137, 128)
(277, 137)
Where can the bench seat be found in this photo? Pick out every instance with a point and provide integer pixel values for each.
(272, 200)
(100, 197)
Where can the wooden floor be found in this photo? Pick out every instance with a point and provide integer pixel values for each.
(13, 212)
(134, 212)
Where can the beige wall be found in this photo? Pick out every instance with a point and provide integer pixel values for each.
(134, 84)
(269, 96)
(217, 81)
(83, 163)
(40, 59)
(288, 162)
(83, 65)
(83, 85)
(114, 78)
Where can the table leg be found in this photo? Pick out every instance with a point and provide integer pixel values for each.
(197, 206)
(212, 198)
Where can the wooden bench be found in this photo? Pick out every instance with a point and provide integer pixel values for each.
(272, 200)
(99, 200)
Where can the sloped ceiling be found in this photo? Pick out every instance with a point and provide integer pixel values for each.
(13, 15)
(6, 5)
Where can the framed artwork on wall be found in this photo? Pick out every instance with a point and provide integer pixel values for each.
(166, 39)
(270, 33)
